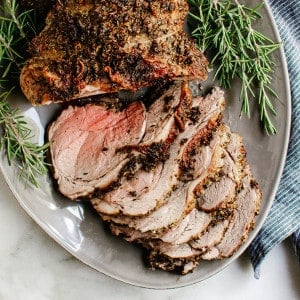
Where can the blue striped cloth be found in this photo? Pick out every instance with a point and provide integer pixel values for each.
(284, 217)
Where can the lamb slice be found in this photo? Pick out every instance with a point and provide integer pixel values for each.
(95, 47)
(248, 204)
(169, 108)
(139, 184)
(211, 254)
(190, 227)
(235, 156)
(194, 163)
(83, 145)
(181, 259)
(216, 193)
(211, 237)
(176, 251)
(210, 110)
(220, 189)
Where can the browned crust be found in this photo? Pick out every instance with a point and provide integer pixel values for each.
(74, 51)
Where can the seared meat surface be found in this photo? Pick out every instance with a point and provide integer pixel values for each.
(93, 47)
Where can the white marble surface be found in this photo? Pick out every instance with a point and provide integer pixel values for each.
(33, 266)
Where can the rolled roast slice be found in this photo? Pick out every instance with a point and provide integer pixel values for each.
(219, 190)
(93, 47)
(84, 143)
(177, 258)
(210, 109)
(212, 236)
(167, 112)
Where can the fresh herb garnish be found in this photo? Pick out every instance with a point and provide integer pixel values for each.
(17, 141)
(15, 30)
(225, 28)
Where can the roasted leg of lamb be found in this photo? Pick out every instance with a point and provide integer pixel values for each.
(93, 47)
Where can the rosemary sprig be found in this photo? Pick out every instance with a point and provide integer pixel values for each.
(16, 138)
(15, 28)
(225, 28)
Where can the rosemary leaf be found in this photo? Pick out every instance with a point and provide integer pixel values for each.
(225, 29)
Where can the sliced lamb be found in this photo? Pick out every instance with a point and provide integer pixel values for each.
(218, 192)
(220, 189)
(161, 218)
(156, 260)
(170, 107)
(210, 199)
(139, 184)
(84, 142)
(211, 237)
(174, 179)
(190, 227)
(182, 200)
(176, 258)
(111, 135)
(182, 251)
(210, 109)
(248, 203)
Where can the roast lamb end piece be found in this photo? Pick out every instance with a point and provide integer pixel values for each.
(102, 46)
